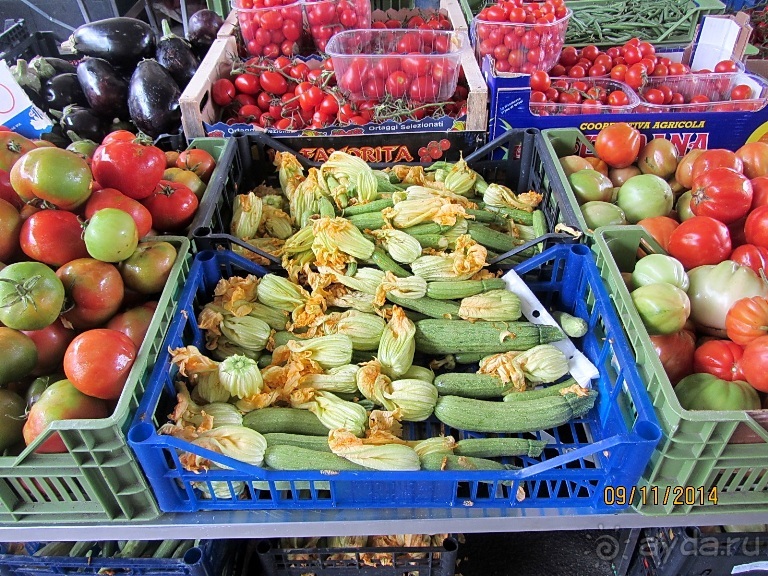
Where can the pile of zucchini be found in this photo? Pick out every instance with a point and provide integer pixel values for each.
(168, 549)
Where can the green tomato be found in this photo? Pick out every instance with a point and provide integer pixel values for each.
(59, 177)
(598, 213)
(683, 206)
(708, 392)
(12, 415)
(31, 296)
(19, 355)
(656, 268)
(590, 185)
(645, 196)
(664, 308)
(111, 235)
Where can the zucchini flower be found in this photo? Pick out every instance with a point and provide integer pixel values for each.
(328, 351)
(541, 364)
(224, 349)
(281, 293)
(276, 319)
(246, 331)
(435, 445)
(384, 184)
(422, 192)
(290, 172)
(373, 384)
(236, 442)
(398, 344)
(377, 457)
(415, 399)
(210, 389)
(420, 373)
(353, 174)
(236, 294)
(355, 300)
(364, 330)
(246, 216)
(384, 421)
(333, 412)
(201, 371)
(219, 489)
(365, 280)
(340, 379)
(272, 246)
(275, 200)
(303, 202)
(336, 240)
(412, 287)
(403, 247)
(502, 197)
(492, 306)
(222, 413)
(276, 223)
(460, 179)
(435, 209)
(410, 175)
(240, 376)
(467, 259)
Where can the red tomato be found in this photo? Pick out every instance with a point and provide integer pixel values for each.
(51, 343)
(414, 65)
(223, 92)
(12, 147)
(676, 353)
(94, 291)
(198, 161)
(273, 82)
(756, 227)
(10, 226)
(134, 322)
(97, 362)
(636, 76)
(618, 145)
(759, 191)
(754, 363)
(423, 89)
(721, 193)
(111, 198)
(700, 240)
(751, 256)
(754, 156)
(129, 167)
(53, 237)
(118, 136)
(540, 81)
(721, 358)
(172, 206)
(747, 320)
(726, 66)
(715, 159)
(397, 84)
(661, 228)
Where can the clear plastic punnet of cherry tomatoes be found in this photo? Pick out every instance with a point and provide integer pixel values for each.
(428, 20)
(715, 92)
(519, 36)
(422, 65)
(271, 27)
(571, 96)
(288, 94)
(329, 17)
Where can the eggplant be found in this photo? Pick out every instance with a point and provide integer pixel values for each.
(202, 28)
(47, 67)
(119, 40)
(83, 122)
(175, 55)
(105, 90)
(62, 90)
(153, 99)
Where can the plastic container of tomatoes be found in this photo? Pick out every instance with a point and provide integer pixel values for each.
(271, 30)
(326, 18)
(520, 47)
(715, 92)
(587, 96)
(421, 65)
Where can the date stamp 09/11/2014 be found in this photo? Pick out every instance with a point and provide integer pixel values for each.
(664, 496)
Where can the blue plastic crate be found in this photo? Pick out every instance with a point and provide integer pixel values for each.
(210, 558)
(608, 448)
(736, 5)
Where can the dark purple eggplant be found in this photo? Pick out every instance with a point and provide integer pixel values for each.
(48, 67)
(119, 40)
(202, 28)
(105, 90)
(175, 55)
(153, 99)
(63, 90)
(83, 122)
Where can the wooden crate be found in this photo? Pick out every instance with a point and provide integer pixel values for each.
(197, 105)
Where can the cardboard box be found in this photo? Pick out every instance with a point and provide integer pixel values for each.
(16, 109)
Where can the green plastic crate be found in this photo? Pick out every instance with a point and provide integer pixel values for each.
(98, 479)
(704, 450)
(682, 32)
(560, 142)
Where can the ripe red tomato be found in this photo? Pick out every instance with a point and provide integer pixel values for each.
(397, 84)
(759, 191)
(129, 167)
(540, 81)
(172, 206)
(51, 343)
(134, 322)
(747, 320)
(423, 89)
(721, 193)
(716, 158)
(756, 227)
(223, 92)
(618, 145)
(676, 353)
(273, 82)
(636, 76)
(94, 291)
(97, 362)
(751, 256)
(754, 363)
(726, 66)
(721, 358)
(198, 161)
(661, 228)
(53, 237)
(111, 198)
(12, 147)
(700, 240)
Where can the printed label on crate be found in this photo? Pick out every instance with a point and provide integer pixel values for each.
(16, 109)
(510, 101)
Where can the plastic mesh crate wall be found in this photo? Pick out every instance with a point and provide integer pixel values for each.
(609, 447)
(18, 42)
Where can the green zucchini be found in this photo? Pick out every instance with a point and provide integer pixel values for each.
(375, 206)
(282, 337)
(428, 306)
(459, 289)
(468, 357)
(573, 326)
(469, 385)
(55, 549)
(288, 420)
(440, 337)
(502, 417)
(183, 548)
(438, 461)
(486, 217)
(166, 549)
(436, 241)
(552, 390)
(284, 457)
(319, 443)
(519, 216)
(367, 220)
(81, 548)
(385, 262)
(499, 447)
(499, 241)
(132, 549)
